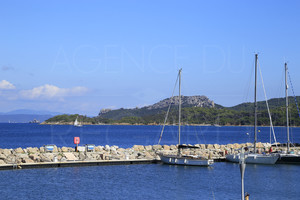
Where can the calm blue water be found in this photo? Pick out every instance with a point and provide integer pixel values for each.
(34, 135)
(151, 182)
(222, 181)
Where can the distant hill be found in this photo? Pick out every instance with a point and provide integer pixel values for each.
(25, 116)
(195, 110)
(22, 118)
(30, 112)
(261, 105)
(186, 101)
(157, 108)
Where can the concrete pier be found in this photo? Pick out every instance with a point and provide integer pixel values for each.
(75, 164)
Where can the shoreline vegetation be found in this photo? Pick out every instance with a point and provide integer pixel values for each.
(130, 124)
(202, 113)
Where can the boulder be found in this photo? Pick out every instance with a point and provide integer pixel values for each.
(209, 146)
(59, 157)
(90, 156)
(107, 148)
(27, 160)
(44, 158)
(2, 157)
(248, 144)
(70, 156)
(101, 156)
(49, 155)
(148, 148)
(10, 159)
(81, 156)
(32, 150)
(157, 147)
(64, 149)
(55, 149)
(138, 148)
(63, 159)
(259, 145)
(42, 150)
(6, 152)
(148, 155)
(140, 156)
(34, 157)
(121, 150)
(22, 155)
(19, 150)
(114, 152)
(186, 152)
(112, 148)
(97, 149)
(217, 146)
(115, 146)
(98, 157)
(237, 146)
(222, 147)
(173, 147)
(2, 162)
(166, 147)
(71, 149)
(134, 155)
(267, 145)
(107, 157)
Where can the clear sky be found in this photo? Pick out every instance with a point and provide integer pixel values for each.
(82, 56)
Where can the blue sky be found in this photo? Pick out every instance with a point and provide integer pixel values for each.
(80, 57)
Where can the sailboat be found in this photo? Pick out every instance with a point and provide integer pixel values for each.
(180, 158)
(287, 157)
(76, 123)
(254, 157)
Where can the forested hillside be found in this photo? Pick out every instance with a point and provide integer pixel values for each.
(242, 114)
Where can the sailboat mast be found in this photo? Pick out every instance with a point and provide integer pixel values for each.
(287, 109)
(179, 106)
(255, 105)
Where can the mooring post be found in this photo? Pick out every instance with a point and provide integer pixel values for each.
(242, 169)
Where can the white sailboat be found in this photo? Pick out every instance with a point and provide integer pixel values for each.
(254, 157)
(287, 157)
(179, 158)
(76, 123)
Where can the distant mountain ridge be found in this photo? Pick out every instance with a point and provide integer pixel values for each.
(187, 101)
(22, 118)
(261, 105)
(26, 115)
(29, 112)
(195, 110)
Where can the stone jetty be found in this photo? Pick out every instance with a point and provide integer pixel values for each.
(34, 155)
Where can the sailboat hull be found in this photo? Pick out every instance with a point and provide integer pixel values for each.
(179, 160)
(288, 159)
(252, 158)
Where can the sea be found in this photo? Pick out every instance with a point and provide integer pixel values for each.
(152, 181)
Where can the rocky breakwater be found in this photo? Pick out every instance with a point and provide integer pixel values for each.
(67, 154)
(106, 153)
